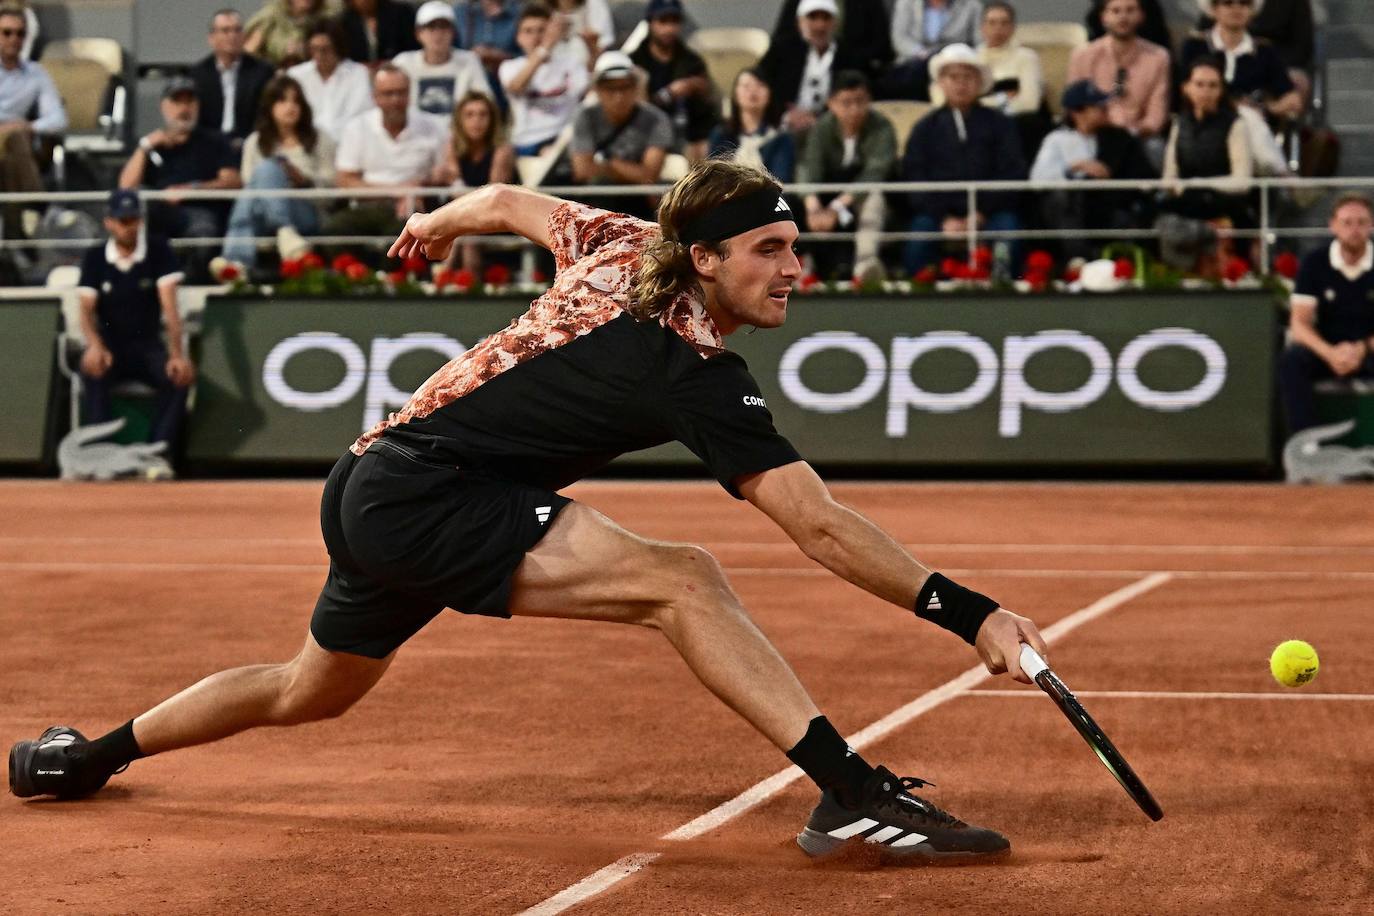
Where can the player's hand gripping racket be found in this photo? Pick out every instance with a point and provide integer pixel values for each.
(1097, 739)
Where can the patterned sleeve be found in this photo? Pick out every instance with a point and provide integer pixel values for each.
(576, 230)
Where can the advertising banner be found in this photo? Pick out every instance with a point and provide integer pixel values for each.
(28, 350)
(959, 381)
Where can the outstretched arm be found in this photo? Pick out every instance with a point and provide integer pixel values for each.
(490, 209)
(855, 549)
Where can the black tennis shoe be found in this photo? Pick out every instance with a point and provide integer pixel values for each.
(903, 825)
(55, 764)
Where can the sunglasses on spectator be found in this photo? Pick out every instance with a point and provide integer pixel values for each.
(13, 33)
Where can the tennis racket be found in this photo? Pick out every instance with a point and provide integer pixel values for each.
(1097, 739)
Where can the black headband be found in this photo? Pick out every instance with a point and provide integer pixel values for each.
(740, 214)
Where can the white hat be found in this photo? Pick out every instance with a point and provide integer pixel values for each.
(613, 65)
(433, 10)
(959, 53)
(807, 7)
(1206, 6)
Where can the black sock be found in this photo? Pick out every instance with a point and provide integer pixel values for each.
(116, 749)
(831, 763)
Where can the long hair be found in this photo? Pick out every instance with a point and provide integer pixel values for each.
(495, 130)
(770, 110)
(666, 269)
(268, 135)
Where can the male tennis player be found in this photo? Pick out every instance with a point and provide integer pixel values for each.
(453, 502)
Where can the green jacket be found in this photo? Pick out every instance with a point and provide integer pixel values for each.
(823, 157)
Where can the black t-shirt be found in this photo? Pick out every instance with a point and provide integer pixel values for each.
(200, 158)
(1345, 307)
(127, 308)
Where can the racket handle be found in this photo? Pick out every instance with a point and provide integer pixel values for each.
(1031, 662)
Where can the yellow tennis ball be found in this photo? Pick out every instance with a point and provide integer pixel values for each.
(1293, 663)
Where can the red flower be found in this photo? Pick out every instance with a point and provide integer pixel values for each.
(1123, 269)
(1286, 265)
(953, 268)
(1040, 261)
(926, 275)
(442, 277)
(809, 281)
(397, 277)
(1236, 267)
(496, 275)
(538, 276)
(415, 265)
(1071, 274)
(463, 279)
(228, 273)
(341, 262)
(311, 261)
(982, 259)
(356, 271)
(1039, 280)
(290, 268)
(979, 272)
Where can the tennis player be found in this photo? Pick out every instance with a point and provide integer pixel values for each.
(454, 502)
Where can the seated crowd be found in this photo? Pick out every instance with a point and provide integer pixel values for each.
(381, 94)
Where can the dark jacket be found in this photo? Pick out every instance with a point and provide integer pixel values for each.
(395, 31)
(254, 74)
(991, 152)
(865, 34)
(1262, 74)
(782, 68)
(1287, 24)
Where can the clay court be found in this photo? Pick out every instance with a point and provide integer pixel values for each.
(501, 763)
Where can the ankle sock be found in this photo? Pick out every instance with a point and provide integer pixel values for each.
(116, 749)
(831, 763)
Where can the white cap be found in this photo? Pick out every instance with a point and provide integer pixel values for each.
(433, 10)
(613, 65)
(959, 53)
(807, 7)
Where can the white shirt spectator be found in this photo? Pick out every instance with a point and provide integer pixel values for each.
(408, 158)
(436, 89)
(228, 83)
(336, 101)
(815, 83)
(1061, 149)
(549, 100)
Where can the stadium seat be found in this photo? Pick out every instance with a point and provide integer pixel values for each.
(1054, 42)
(727, 51)
(533, 169)
(903, 115)
(675, 165)
(88, 73)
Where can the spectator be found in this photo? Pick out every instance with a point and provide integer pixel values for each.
(183, 156)
(387, 147)
(1254, 72)
(487, 28)
(748, 135)
(850, 143)
(378, 30)
(30, 44)
(439, 73)
(961, 141)
(1134, 71)
(1331, 321)
(619, 140)
(588, 28)
(544, 86)
(865, 36)
(1018, 88)
(799, 70)
(920, 28)
(277, 32)
(478, 154)
(284, 152)
(25, 87)
(1154, 25)
(228, 81)
(1287, 25)
(1089, 146)
(678, 83)
(336, 89)
(126, 284)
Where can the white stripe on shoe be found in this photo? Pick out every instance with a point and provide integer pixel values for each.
(854, 829)
(911, 839)
(882, 836)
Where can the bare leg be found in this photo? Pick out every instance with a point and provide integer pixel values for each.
(589, 568)
(316, 684)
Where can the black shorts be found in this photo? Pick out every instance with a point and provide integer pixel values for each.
(408, 538)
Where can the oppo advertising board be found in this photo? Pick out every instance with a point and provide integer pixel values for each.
(1128, 379)
(28, 350)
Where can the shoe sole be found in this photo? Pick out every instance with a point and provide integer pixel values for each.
(819, 845)
(21, 758)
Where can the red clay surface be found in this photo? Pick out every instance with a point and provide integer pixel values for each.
(499, 762)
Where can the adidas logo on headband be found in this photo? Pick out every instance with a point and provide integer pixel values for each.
(738, 215)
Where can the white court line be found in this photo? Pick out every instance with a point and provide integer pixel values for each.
(1182, 695)
(593, 884)
(774, 784)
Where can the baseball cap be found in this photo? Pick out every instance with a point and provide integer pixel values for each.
(613, 65)
(123, 203)
(433, 10)
(807, 7)
(658, 8)
(179, 84)
(1082, 94)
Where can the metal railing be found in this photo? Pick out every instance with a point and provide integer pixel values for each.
(1267, 232)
